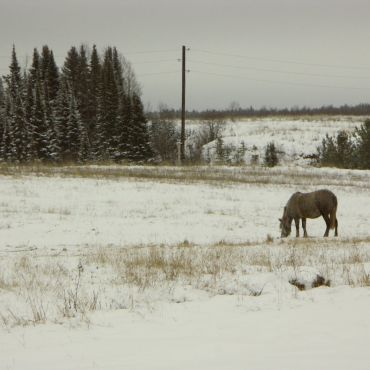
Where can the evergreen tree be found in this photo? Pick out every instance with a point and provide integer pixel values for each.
(5, 143)
(271, 158)
(220, 150)
(108, 108)
(125, 129)
(40, 128)
(84, 149)
(71, 70)
(74, 125)
(93, 91)
(62, 110)
(140, 145)
(35, 70)
(16, 119)
(52, 78)
(82, 85)
(2, 115)
(29, 111)
(362, 151)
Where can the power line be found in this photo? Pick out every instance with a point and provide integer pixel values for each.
(155, 61)
(278, 71)
(280, 60)
(157, 73)
(280, 82)
(152, 52)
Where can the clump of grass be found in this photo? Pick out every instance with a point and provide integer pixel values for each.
(269, 239)
(320, 281)
(297, 284)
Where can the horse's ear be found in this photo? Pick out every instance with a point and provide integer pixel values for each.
(280, 220)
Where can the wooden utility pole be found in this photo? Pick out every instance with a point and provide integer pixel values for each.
(182, 147)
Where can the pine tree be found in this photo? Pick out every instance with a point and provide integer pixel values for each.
(29, 110)
(52, 78)
(73, 129)
(35, 70)
(40, 128)
(125, 129)
(2, 115)
(82, 85)
(362, 136)
(84, 149)
(140, 145)
(93, 91)
(220, 149)
(53, 145)
(108, 108)
(71, 70)
(16, 118)
(5, 143)
(271, 158)
(62, 109)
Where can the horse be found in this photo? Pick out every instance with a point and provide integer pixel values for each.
(310, 205)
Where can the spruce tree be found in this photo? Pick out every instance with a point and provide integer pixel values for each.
(125, 129)
(107, 110)
(29, 111)
(74, 125)
(52, 78)
(93, 91)
(84, 148)
(271, 158)
(140, 145)
(62, 109)
(2, 115)
(82, 88)
(95, 81)
(71, 70)
(362, 136)
(16, 118)
(5, 143)
(40, 128)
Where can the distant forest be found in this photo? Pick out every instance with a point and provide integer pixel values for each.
(89, 110)
(229, 113)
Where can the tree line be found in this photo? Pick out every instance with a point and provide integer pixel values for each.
(235, 112)
(88, 110)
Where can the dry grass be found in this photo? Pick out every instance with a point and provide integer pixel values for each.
(189, 174)
(40, 287)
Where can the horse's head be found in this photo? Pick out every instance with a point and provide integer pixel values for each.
(285, 224)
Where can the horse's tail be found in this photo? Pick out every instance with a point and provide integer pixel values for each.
(333, 213)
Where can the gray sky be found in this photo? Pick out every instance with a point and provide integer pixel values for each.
(255, 52)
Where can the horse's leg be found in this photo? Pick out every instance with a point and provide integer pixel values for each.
(304, 227)
(296, 221)
(327, 221)
(336, 227)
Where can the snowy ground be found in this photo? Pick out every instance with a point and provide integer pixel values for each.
(168, 268)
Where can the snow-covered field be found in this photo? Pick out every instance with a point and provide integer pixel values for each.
(170, 268)
(296, 140)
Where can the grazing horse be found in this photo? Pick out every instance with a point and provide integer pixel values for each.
(309, 205)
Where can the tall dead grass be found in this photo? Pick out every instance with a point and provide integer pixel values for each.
(195, 173)
(38, 288)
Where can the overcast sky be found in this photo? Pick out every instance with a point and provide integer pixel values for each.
(255, 52)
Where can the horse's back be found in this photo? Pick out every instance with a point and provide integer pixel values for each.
(316, 203)
(326, 200)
